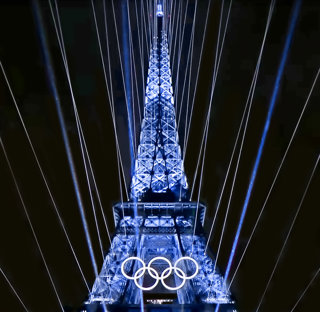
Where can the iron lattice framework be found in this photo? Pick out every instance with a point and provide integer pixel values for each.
(158, 166)
(159, 229)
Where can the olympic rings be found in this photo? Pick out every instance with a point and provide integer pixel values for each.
(133, 277)
(151, 287)
(165, 273)
(160, 258)
(186, 258)
(177, 287)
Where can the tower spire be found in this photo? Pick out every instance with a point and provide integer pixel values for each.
(158, 166)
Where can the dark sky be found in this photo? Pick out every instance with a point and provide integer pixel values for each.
(21, 56)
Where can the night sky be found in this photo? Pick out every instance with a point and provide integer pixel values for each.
(22, 58)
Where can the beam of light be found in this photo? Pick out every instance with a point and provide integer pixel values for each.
(196, 83)
(188, 69)
(137, 235)
(206, 130)
(245, 121)
(288, 234)
(293, 21)
(35, 236)
(130, 74)
(213, 85)
(53, 87)
(111, 105)
(276, 176)
(144, 29)
(140, 38)
(169, 25)
(133, 75)
(126, 83)
(111, 97)
(44, 178)
(173, 18)
(306, 289)
(218, 41)
(13, 289)
(140, 23)
(173, 47)
(127, 75)
(148, 21)
(85, 155)
(96, 187)
(181, 39)
(189, 86)
(248, 109)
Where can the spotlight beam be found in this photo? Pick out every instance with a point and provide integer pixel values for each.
(246, 112)
(83, 146)
(306, 289)
(13, 289)
(35, 236)
(54, 91)
(285, 52)
(276, 177)
(288, 234)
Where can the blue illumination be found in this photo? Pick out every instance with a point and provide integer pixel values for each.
(53, 87)
(158, 166)
(160, 8)
(207, 284)
(147, 229)
(273, 99)
(127, 77)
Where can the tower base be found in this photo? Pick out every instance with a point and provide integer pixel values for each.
(160, 308)
(162, 245)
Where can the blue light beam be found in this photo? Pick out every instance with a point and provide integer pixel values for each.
(54, 90)
(127, 75)
(293, 21)
(129, 102)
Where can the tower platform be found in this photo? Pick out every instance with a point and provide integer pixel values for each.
(148, 232)
(162, 308)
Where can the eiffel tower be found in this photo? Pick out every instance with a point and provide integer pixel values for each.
(157, 259)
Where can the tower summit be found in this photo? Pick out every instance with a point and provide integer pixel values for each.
(159, 167)
(157, 258)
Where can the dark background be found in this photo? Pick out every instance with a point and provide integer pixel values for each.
(22, 59)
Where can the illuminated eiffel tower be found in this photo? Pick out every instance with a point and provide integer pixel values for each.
(157, 259)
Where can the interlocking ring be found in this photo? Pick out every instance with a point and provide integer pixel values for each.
(160, 258)
(152, 286)
(155, 275)
(186, 258)
(133, 277)
(177, 287)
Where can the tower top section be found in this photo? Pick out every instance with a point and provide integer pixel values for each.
(159, 172)
(159, 8)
